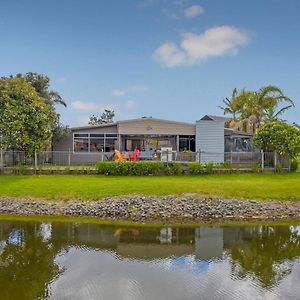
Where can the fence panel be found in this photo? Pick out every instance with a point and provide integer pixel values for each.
(64, 158)
(243, 159)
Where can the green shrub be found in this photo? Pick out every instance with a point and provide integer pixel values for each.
(21, 169)
(255, 167)
(209, 168)
(177, 169)
(129, 168)
(84, 170)
(294, 165)
(196, 169)
(76, 170)
(226, 165)
(278, 168)
(68, 169)
(168, 170)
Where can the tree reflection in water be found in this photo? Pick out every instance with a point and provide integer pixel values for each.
(266, 252)
(26, 261)
(29, 250)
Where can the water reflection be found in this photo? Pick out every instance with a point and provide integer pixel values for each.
(90, 261)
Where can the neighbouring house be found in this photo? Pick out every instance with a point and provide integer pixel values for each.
(149, 135)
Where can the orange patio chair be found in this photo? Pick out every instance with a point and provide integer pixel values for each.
(119, 156)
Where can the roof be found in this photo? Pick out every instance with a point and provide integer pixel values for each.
(214, 118)
(95, 126)
(131, 120)
(230, 131)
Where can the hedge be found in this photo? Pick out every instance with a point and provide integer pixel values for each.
(129, 168)
(151, 168)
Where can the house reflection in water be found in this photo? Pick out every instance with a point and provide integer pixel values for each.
(146, 243)
(208, 243)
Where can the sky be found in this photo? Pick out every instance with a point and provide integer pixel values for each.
(170, 59)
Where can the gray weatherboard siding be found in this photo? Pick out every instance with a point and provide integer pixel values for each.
(210, 139)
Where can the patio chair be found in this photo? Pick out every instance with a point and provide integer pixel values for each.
(119, 156)
(135, 156)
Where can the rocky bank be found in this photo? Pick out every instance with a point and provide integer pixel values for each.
(151, 209)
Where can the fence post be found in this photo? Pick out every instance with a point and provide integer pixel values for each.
(1, 159)
(69, 158)
(275, 159)
(35, 159)
(102, 155)
(230, 157)
(199, 157)
(262, 159)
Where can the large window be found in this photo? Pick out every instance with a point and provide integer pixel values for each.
(187, 143)
(94, 142)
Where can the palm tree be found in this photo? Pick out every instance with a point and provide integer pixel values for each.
(236, 106)
(266, 105)
(231, 105)
(273, 99)
(55, 98)
(262, 106)
(41, 83)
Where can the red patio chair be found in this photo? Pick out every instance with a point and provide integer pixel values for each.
(135, 156)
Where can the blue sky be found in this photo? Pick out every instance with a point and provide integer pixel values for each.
(173, 59)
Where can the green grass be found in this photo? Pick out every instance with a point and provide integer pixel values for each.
(241, 186)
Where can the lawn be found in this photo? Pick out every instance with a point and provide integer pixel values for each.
(246, 186)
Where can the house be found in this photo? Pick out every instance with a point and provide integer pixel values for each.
(149, 135)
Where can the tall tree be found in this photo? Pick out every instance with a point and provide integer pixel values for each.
(107, 117)
(41, 83)
(230, 105)
(25, 118)
(252, 109)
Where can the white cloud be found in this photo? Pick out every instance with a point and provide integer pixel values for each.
(195, 48)
(130, 104)
(86, 106)
(118, 92)
(193, 11)
(93, 107)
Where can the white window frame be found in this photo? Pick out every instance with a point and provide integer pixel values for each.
(89, 139)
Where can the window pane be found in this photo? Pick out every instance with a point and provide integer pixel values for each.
(81, 135)
(108, 135)
(81, 145)
(110, 145)
(192, 144)
(97, 135)
(96, 145)
(183, 144)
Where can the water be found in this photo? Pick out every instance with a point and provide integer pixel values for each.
(56, 260)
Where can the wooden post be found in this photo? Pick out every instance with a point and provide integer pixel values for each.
(35, 159)
(262, 159)
(1, 159)
(69, 158)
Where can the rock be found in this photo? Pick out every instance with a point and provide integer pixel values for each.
(158, 209)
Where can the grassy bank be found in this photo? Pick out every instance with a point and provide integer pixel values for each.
(248, 186)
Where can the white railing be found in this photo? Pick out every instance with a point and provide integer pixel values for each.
(67, 158)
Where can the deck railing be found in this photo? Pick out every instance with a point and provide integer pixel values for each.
(67, 158)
